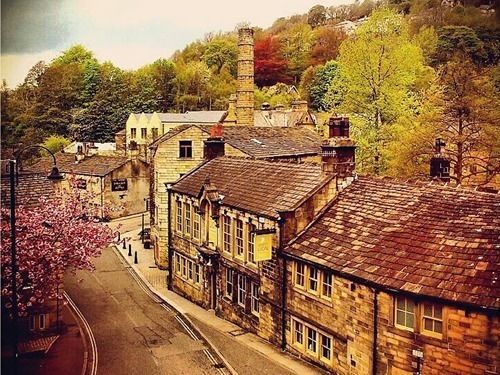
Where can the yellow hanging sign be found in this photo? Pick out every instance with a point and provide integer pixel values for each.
(263, 246)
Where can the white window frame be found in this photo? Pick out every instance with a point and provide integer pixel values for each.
(242, 290)
(226, 234)
(300, 275)
(180, 224)
(308, 330)
(239, 240)
(42, 318)
(255, 303)
(321, 356)
(251, 244)
(297, 327)
(432, 318)
(329, 286)
(196, 225)
(229, 282)
(311, 279)
(187, 218)
(405, 312)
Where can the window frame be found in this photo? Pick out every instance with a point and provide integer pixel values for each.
(330, 348)
(187, 218)
(300, 275)
(295, 330)
(196, 224)
(229, 281)
(251, 244)
(434, 319)
(42, 317)
(179, 216)
(185, 149)
(315, 280)
(227, 234)
(133, 133)
(144, 133)
(242, 290)
(324, 276)
(239, 239)
(406, 313)
(316, 334)
(254, 298)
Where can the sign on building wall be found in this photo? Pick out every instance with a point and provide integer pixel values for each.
(81, 183)
(263, 246)
(119, 184)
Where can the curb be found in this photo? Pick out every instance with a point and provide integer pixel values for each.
(83, 336)
(180, 311)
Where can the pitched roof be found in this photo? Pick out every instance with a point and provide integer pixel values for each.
(257, 186)
(261, 142)
(280, 118)
(29, 190)
(209, 117)
(427, 240)
(95, 165)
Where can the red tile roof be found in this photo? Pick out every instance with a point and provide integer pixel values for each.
(30, 189)
(257, 186)
(428, 240)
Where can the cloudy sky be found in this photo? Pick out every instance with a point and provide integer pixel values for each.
(130, 33)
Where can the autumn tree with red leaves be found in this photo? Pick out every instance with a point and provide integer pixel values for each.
(58, 235)
(270, 66)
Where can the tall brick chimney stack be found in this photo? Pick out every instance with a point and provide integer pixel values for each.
(245, 96)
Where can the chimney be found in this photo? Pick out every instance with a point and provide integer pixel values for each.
(299, 106)
(214, 145)
(440, 164)
(279, 107)
(245, 94)
(230, 118)
(338, 151)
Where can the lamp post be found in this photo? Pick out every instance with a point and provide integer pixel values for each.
(14, 181)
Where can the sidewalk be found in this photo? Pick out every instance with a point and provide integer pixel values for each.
(245, 352)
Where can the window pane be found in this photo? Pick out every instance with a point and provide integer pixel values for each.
(326, 343)
(410, 306)
(428, 324)
(438, 312)
(427, 309)
(410, 320)
(401, 303)
(400, 317)
(438, 327)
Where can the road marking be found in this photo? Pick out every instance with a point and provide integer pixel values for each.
(90, 334)
(187, 328)
(143, 286)
(214, 362)
(132, 319)
(115, 299)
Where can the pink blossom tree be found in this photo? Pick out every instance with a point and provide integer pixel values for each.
(57, 236)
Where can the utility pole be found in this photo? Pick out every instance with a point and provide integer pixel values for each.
(12, 169)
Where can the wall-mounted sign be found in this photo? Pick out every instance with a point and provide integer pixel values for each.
(81, 183)
(263, 246)
(119, 184)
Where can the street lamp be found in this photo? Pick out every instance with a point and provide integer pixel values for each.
(14, 180)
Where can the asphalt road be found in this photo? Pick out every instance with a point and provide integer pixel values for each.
(134, 333)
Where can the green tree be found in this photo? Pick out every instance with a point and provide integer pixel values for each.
(316, 16)
(378, 68)
(296, 46)
(323, 78)
(221, 51)
(55, 143)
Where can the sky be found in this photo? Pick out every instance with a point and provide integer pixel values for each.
(129, 33)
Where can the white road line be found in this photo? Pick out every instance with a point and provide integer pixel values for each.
(166, 307)
(93, 343)
(143, 286)
(186, 327)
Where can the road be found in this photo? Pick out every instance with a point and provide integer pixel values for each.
(134, 333)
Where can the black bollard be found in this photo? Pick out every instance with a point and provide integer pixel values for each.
(118, 236)
(129, 250)
(124, 246)
(135, 258)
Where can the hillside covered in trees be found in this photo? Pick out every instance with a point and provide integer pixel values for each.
(406, 72)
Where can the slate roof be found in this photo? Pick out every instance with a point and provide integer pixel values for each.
(428, 240)
(261, 142)
(257, 186)
(280, 118)
(95, 165)
(200, 117)
(30, 189)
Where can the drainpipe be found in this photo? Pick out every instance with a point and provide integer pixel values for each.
(102, 199)
(375, 330)
(281, 224)
(169, 238)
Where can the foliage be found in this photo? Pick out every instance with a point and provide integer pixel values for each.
(57, 236)
(55, 143)
(316, 16)
(296, 45)
(327, 44)
(378, 68)
(279, 94)
(323, 78)
(270, 66)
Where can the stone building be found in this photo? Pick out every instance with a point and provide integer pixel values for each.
(397, 278)
(182, 149)
(216, 226)
(120, 185)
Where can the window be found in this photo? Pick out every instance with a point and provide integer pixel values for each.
(255, 298)
(229, 282)
(299, 274)
(185, 149)
(177, 263)
(197, 274)
(326, 290)
(196, 224)
(242, 290)
(144, 133)
(41, 321)
(251, 243)
(311, 339)
(32, 322)
(184, 266)
(326, 347)
(298, 333)
(227, 234)
(405, 313)
(179, 216)
(190, 270)
(239, 238)
(155, 133)
(187, 216)
(432, 319)
(133, 133)
(312, 284)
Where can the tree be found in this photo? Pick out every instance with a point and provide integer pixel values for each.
(323, 78)
(316, 16)
(55, 143)
(453, 40)
(296, 45)
(58, 235)
(270, 67)
(220, 52)
(379, 68)
(327, 44)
